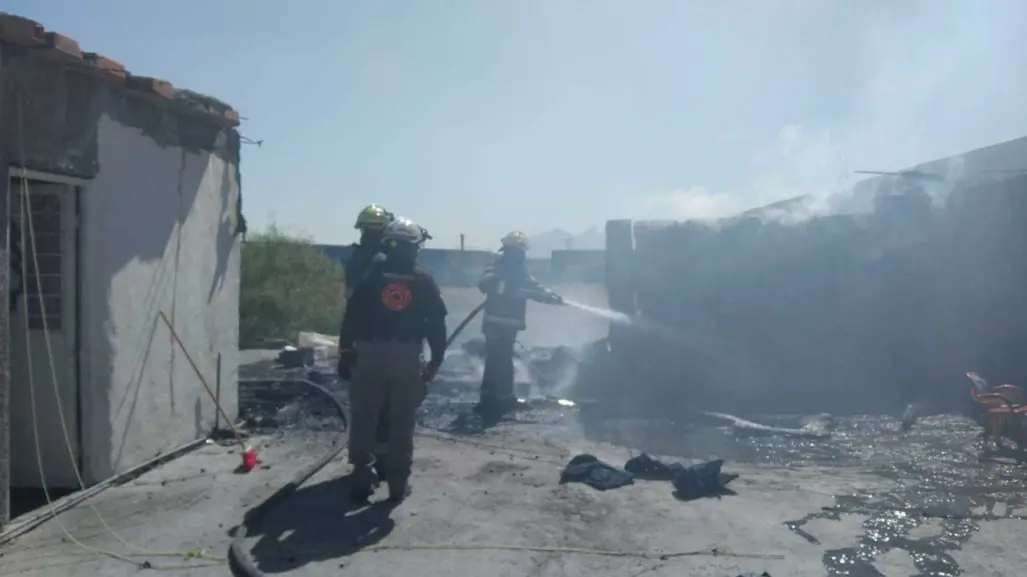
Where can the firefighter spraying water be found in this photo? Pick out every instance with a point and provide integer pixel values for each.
(507, 286)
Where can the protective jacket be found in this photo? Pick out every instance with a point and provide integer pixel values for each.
(399, 302)
(507, 285)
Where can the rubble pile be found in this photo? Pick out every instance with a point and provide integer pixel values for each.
(272, 396)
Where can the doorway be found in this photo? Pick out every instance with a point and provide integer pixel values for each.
(43, 341)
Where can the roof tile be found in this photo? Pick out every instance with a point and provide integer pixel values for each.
(24, 32)
(62, 46)
(105, 65)
(21, 31)
(152, 86)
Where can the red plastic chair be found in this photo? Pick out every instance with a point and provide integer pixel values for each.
(1004, 406)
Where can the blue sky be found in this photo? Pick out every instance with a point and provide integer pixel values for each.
(482, 116)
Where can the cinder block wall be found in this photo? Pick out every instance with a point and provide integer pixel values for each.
(839, 314)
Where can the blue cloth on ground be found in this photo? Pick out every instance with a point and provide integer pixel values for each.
(702, 480)
(646, 467)
(588, 469)
(691, 482)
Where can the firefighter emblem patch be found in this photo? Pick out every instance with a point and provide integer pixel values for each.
(396, 296)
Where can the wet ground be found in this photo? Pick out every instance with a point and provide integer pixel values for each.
(869, 500)
(935, 488)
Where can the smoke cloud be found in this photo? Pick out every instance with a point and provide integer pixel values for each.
(925, 80)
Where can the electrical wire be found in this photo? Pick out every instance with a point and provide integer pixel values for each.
(29, 235)
(708, 552)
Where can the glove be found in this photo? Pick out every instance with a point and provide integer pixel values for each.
(347, 360)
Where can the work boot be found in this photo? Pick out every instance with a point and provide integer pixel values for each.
(363, 484)
(398, 492)
(379, 470)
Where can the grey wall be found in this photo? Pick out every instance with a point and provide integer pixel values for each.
(158, 236)
(450, 267)
(464, 267)
(838, 313)
(158, 232)
(578, 265)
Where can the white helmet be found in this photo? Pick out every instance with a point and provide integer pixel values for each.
(404, 230)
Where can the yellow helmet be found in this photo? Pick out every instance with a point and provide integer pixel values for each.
(517, 240)
(373, 217)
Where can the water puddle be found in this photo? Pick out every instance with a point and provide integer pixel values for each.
(938, 487)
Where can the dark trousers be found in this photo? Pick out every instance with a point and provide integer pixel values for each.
(381, 438)
(386, 374)
(497, 383)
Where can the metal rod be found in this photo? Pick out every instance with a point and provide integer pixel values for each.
(217, 395)
(203, 381)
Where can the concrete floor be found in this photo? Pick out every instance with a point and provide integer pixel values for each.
(491, 504)
(496, 490)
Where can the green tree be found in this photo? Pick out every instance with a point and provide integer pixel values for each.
(286, 286)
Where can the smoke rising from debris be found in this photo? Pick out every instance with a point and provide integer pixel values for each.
(926, 80)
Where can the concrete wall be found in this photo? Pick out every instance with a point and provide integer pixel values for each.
(158, 233)
(578, 265)
(839, 313)
(158, 236)
(464, 267)
(450, 267)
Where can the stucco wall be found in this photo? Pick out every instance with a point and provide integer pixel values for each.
(158, 225)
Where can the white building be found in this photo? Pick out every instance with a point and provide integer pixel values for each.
(134, 192)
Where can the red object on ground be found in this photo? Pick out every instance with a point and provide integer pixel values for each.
(249, 459)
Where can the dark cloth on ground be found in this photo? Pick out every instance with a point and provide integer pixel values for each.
(702, 480)
(690, 482)
(650, 469)
(589, 470)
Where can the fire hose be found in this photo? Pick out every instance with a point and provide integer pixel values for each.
(239, 561)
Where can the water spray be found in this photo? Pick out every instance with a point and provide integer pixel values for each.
(608, 314)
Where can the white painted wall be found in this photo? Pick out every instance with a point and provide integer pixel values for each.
(156, 222)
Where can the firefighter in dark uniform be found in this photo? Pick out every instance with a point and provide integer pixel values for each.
(507, 285)
(371, 223)
(393, 310)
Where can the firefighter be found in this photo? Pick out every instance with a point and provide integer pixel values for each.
(393, 310)
(507, 285)
(371, 223)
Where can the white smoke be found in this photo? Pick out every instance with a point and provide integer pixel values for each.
(930, 80)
